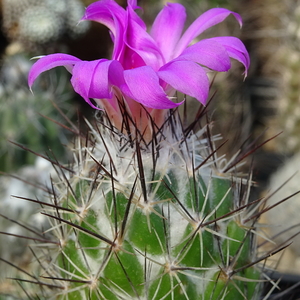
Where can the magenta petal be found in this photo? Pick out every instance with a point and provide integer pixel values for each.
(142, 85)
(113, 16)
(132, 3)
(82, 81)
(235, 48)
(134, 16)
(94, 79)
(106, 12)
(141, 45)
(49, 62)
(208, 53)
(187, 77)
(205, 21)
(86, 77)
(167, 28)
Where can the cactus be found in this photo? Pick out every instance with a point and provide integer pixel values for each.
(148, 210)
(157, 219)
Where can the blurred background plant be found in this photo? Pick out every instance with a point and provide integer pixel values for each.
(42, 24)
(22, 114)
(271, 33)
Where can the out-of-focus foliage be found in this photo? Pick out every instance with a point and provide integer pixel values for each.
(22, 113)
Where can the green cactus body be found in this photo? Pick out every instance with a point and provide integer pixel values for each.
(150, 220)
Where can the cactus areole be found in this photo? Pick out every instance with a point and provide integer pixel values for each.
(150, 211)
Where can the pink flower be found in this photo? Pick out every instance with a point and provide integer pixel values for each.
(149, 67)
